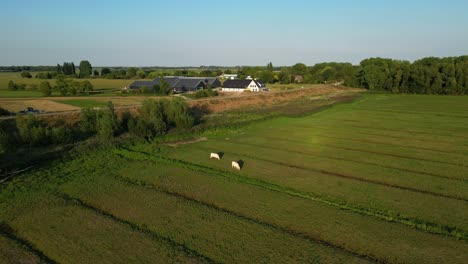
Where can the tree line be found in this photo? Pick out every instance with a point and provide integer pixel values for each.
(64, 86)
(425, 76)
(155, 118)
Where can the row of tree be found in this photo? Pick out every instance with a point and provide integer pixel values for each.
(155, 118)
(64, 86)
(426, 76)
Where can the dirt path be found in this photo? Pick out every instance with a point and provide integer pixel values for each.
(217, 104)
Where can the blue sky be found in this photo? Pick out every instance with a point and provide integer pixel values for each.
(193, 33)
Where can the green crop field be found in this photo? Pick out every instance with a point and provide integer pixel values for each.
(107, 86)
(383, 179)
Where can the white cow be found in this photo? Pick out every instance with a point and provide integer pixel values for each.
(235, 165)
(215, 156)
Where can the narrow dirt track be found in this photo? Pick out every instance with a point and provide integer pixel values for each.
(237, 101)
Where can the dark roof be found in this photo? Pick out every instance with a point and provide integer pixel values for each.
(260, 83)
(178, 82)
(187, 83)
(236, 83)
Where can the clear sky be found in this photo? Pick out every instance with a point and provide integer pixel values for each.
(241, 32)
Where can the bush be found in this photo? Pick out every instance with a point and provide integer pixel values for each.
(26, 75)
(44, 75)
(7, 141)
(12, 86)
(156, 118)
(45, 88)
(203, 93)
(107, 123)
(4, 112)
(88, 121)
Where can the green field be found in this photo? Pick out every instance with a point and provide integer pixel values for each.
(83, 103)
(383, 179)
(107, 86)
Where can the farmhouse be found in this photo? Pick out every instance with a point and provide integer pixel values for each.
(243, 85)
(178, 84)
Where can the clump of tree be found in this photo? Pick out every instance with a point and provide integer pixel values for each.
(203, 93)
(68, 68)
(425, 76)
(4, 112)
(156, 117)
(33, 131)
(45, 88)
(12, 86)
(46, 75)
(85, 69)
(103, 123)
(66, 86)
(26, 74)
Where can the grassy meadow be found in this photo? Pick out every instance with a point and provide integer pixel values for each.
(106, 86)
(383, 179)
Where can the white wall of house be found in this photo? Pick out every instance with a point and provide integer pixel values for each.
(232, 89)
(253, 87)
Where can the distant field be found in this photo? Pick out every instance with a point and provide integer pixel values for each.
(108, 86)
(84, 103)
(383, 180)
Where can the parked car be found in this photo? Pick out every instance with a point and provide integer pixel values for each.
(30, 110)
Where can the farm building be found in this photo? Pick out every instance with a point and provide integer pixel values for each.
(228, 76)
(243, 85)
(178, 84)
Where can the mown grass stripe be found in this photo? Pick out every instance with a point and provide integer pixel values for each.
(8, 232)
(343, 159)
(370, 152)
(340, 129)
(396, 130)
(349, 177)
(408, 112)
(423, 225)
(390, 144)
(433, 131)
(389, 120)
(234, 214)
(190, 252)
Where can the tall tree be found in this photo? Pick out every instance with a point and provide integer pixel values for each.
(85, 69)
(45, 88)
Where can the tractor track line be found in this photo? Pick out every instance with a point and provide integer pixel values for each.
(190, 252)
(375, 152)
(9, 232)
(234, 214)
(446, 133)
(354, 178)
(332, 128)
(399, 131)
(418, 224)
(349, 160)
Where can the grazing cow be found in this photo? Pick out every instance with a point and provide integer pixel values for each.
(235, 165)
(215, 156)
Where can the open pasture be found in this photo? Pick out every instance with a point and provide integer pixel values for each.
(107, 86)
(383, 179)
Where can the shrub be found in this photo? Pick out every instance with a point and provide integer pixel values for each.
(88, 121)
(107, 123)
(4, 112)
(45, 88)
(7, 141)
(44, 75)
(12, 86)
(26, 75)
(156, 118)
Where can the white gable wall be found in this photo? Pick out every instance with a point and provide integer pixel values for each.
(253, 86)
